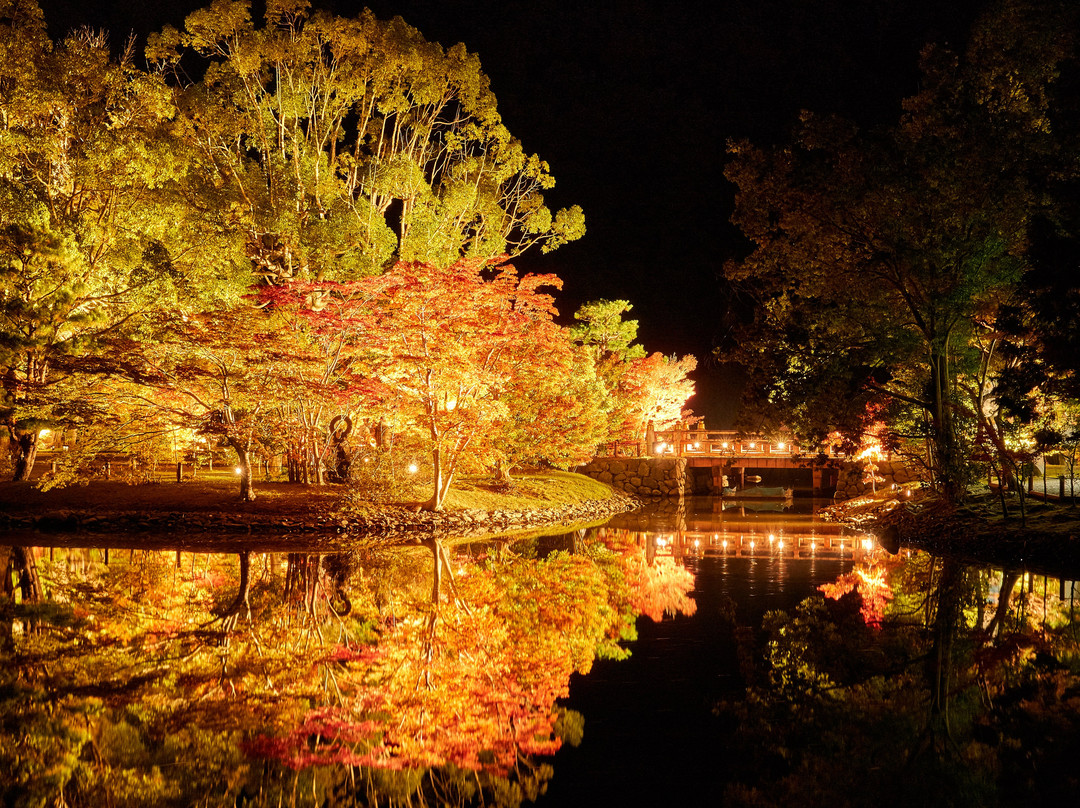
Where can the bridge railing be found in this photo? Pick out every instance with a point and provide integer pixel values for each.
(713, 443)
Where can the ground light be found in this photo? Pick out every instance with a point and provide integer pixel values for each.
(413, 468)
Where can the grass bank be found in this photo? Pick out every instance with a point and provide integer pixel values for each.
(218, 493)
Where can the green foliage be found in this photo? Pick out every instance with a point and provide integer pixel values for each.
(881, 257)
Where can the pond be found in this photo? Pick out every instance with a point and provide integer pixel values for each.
(759, 655)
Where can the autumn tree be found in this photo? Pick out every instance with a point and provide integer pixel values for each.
(877, 255)
(351, 143)
(454, 339)
(90, 215)
(216, 373)
(639, 388)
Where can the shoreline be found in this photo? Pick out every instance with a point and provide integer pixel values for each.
(1046, 541)
(312, 514)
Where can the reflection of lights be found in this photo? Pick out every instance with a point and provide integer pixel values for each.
(413, 468)
(813, 546)
(724, 544)
(780, 545)
(772, 538)
(751, 546)
(868, 544)
(697, 542)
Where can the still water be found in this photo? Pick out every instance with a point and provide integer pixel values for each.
(651, 737)
(187, 670)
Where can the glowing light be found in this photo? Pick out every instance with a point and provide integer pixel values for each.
(781, 445)
(413, 468)
(751, 547)
(697, 445)
(813, 546)
(660, 447)
(868, 544)
(780, 545)
(772, 538)
(724, 544)
(697, 542)
(238, 470)
(723, 445)
(44, 433)
(753, 445)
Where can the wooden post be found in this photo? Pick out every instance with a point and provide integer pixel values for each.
(179, 472)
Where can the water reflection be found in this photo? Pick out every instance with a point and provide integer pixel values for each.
(914, 681)
(398, 675)
(491, 672)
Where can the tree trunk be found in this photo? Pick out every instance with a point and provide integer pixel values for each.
(243, 460)
(440, 485)
(27, 447)
(944, 438)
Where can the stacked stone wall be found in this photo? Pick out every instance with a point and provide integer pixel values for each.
(850, 483)
(645, 477)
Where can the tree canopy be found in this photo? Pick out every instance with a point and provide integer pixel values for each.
(884, 262)
(288, 236)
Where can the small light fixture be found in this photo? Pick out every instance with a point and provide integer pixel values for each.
(238, 470)
(413, 468)
(781, 445)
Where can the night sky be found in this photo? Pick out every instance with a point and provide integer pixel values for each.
(631, 103)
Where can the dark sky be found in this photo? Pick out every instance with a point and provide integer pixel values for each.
(632, 102)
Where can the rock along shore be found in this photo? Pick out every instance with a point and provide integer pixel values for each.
(390, 523)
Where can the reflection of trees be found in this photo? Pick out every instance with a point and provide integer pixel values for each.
(938, 700)
(345, 677)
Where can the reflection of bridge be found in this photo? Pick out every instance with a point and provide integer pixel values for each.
(735, 456)
(751, 543)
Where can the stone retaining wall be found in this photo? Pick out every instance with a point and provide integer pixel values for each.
(851, 483)
(645, 477)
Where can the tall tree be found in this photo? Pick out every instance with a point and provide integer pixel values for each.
(92, 227)
(877, 254)
(354, 143)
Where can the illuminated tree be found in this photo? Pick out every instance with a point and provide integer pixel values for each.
(653, 389)
(352, 143)
(454, 339)
(93, 227)
(876, 255)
